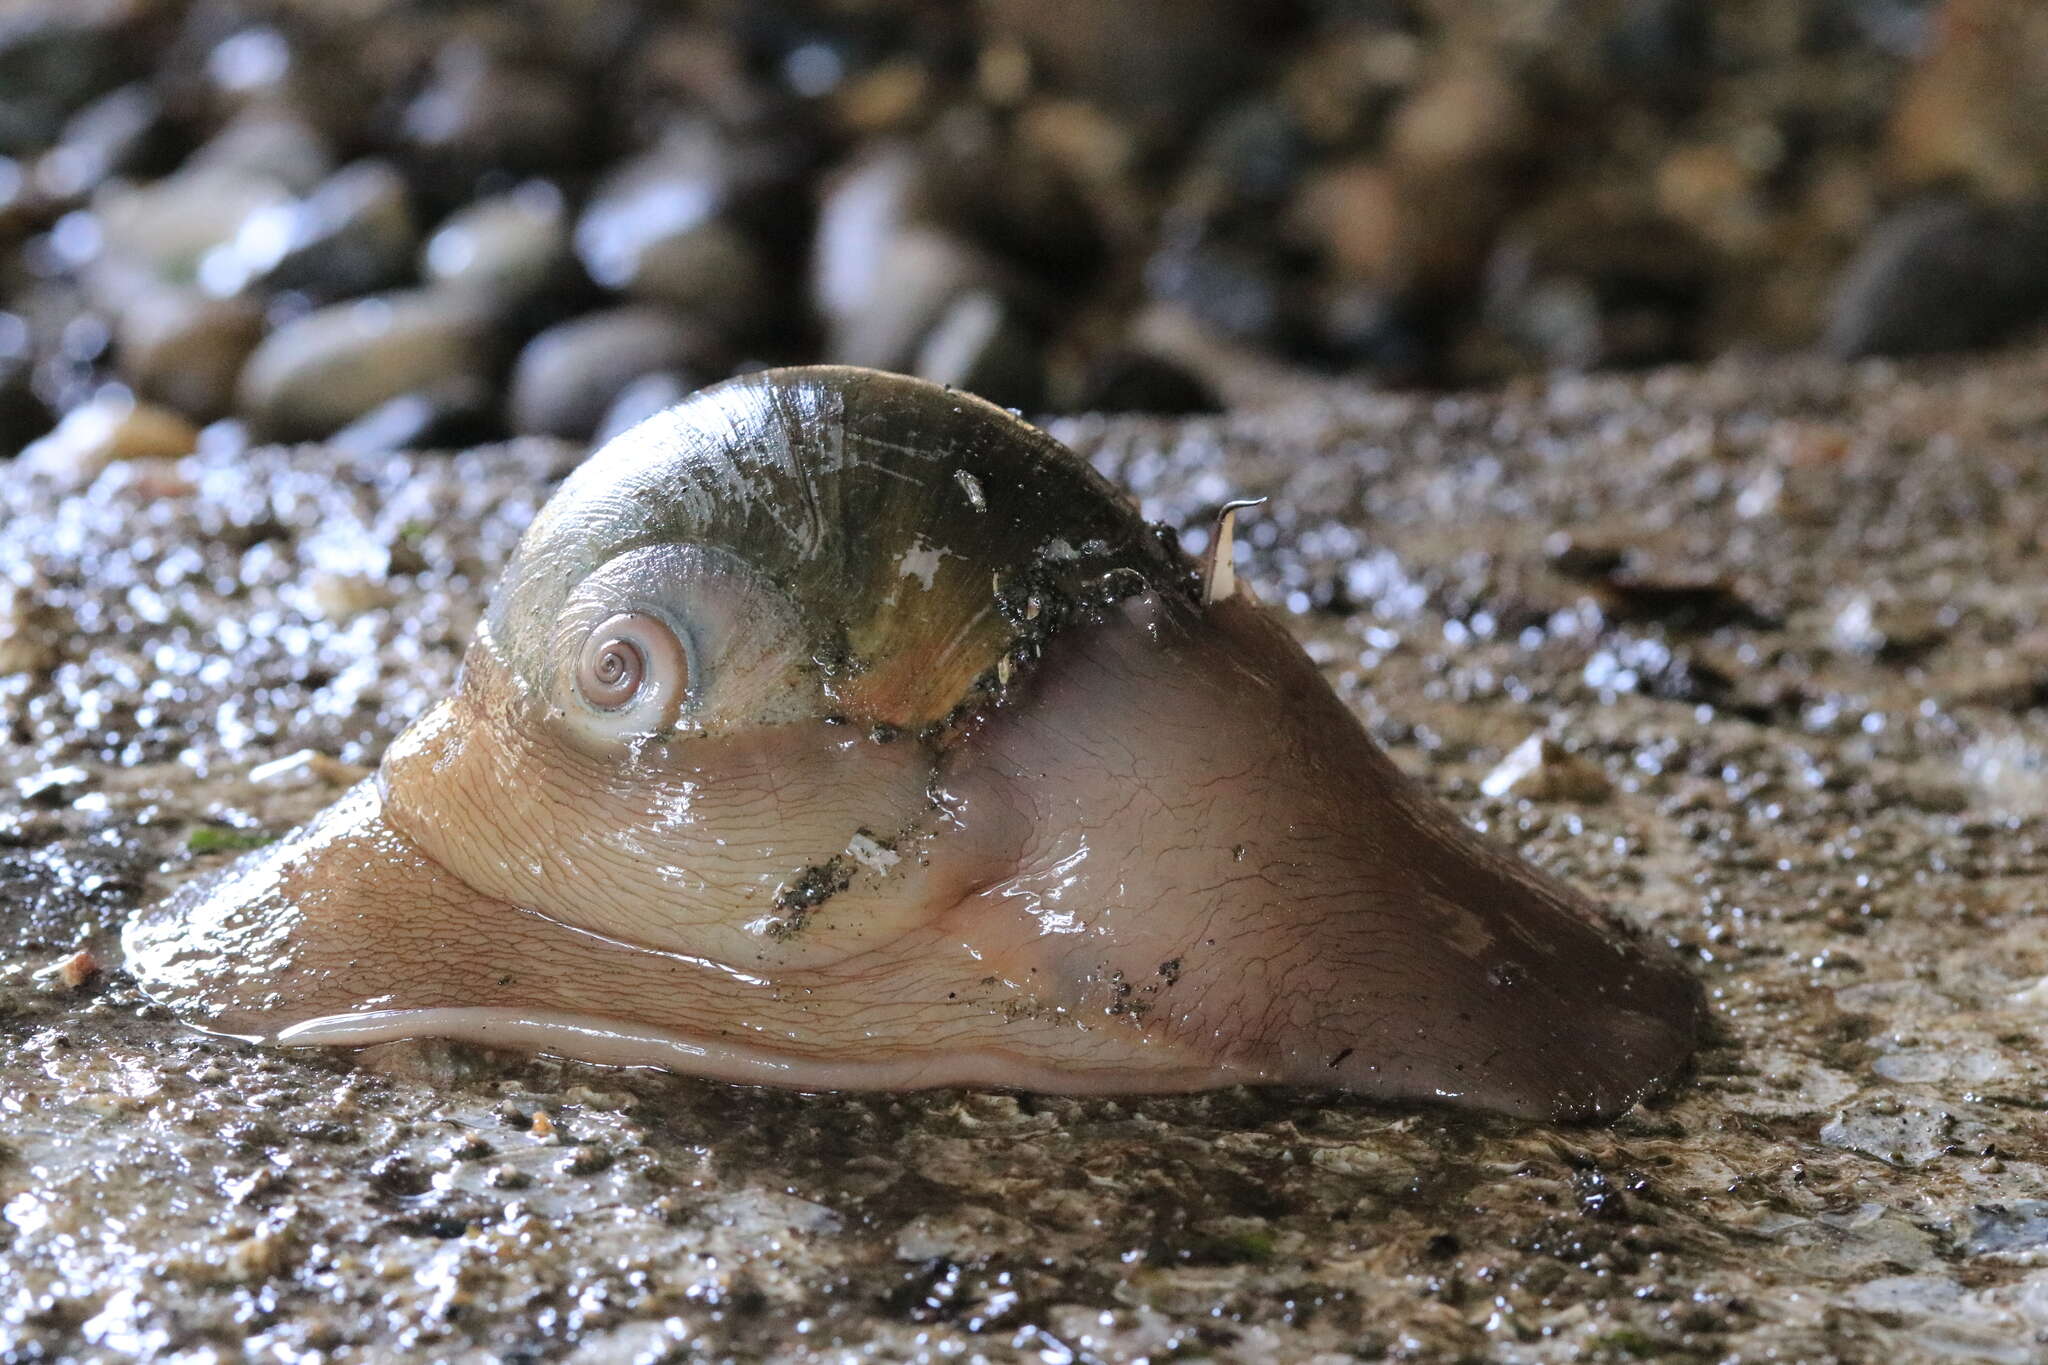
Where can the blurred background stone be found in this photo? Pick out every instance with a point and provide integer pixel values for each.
(1060, 205)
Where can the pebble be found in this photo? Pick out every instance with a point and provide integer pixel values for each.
(980, 345)
(453, 414)
(185, 348)
(1540, 769)
(1469, 119)
(1975, 110)
(918, 274)
(1158, 62)
(504, 250)
(655, 229)
(268, 142)
(110, 428)
(1142, 381)
(478, 113)
(306, 768)
(352, 235)
(1942, 274)
(569, 376)
(864, 207)
(640, 400)
(318, 373)
(147, 236)
(54, 56)
(117, 134)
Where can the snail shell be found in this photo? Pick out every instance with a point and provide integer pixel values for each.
(833, 729)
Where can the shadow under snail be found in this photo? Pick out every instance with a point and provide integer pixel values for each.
(835, 730)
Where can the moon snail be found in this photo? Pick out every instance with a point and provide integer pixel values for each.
(835, 730)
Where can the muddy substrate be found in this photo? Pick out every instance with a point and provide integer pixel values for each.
(1792, 621)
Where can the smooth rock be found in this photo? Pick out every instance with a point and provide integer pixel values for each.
(569, 376)
(864, 207)
(353, 234)
(452, 415)
(504, 250)
(120, 133)
(1943, 274)
(479, 113)
(1471, 117)
(1158, 61)
(1000, 191)
(54, 56)
(110, 428)
(1143, 381)
(641, 399)
(250, 64)
(185, 348)
(919, 274)
(158, 234)
(979, 344)
(269, 142)
(656, 229)
(315, 375)
(1540, 769)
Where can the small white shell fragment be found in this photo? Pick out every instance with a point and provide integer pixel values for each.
(1540, 769)
(872, 854)
(306, 768)
(69, 972)
(1219, 581)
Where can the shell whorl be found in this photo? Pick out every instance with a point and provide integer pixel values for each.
(924, 534)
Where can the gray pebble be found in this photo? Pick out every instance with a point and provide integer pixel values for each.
(656, 229)
(501, 251)
(272, 142)
(185, 348)
(478, 112)
(318, 373)
(979, 344)
(54, 56)
(918, 274)
(1943, 274)
(569, 376)
(353, 234)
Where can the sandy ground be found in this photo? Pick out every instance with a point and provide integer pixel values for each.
(1792, 618)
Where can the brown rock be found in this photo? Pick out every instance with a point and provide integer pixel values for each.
(1977, 108)
(186, 349)
(110, 428)
(1472, 115)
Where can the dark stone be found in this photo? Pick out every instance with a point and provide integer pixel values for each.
(353, 234)
(479, 114)
(568, 377)
(450, 416)
(659, 228)
(981, 345)
(54, 56)
(1161, 62)
(1945, 274)
(1239, 289)
(22, 415)
(1144, 381)
(121, 133)
(1663, 48)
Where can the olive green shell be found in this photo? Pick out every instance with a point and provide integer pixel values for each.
(824, 479)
